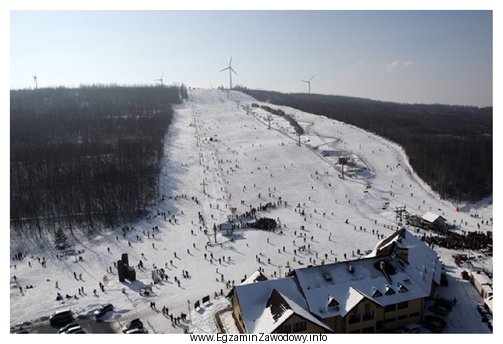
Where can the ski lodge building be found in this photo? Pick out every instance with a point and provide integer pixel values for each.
(381, 292)
(433, 221)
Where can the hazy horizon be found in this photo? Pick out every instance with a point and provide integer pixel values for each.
(428, 57)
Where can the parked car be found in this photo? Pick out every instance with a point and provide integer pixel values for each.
(465, 275)
(103, 310)
(136, 331)
(68, 326)
(481, 308)
(434, 323)
(443, 279)
(75, 329)
(440, 310)
(81, 331)
(60, 318)
(135, 323)
(485, 316)
(446, 303)
(484, 313)
(490, 323)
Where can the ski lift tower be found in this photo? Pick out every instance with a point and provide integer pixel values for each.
(399, 213)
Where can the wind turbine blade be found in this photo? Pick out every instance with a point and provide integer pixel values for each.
(233, 70)
(230, 61)
(311, 78)
(224, 69)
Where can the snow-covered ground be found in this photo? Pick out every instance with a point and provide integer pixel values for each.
(217, 146)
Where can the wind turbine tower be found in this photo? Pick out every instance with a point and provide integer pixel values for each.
(35, 78)
(160, 79)
(230, 73)
(308, 82)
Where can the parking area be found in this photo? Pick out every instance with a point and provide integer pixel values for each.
(88, 325)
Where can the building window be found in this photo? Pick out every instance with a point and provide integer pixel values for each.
(390, 308)
(285, 328)
(401, 317)
(299, 326)
(403, 305)
(354, 317)
(368, 314)
(415, 314)
(389, 320)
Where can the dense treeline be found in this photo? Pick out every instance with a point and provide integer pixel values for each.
(450, 147)
(278, 112)
(86, 155)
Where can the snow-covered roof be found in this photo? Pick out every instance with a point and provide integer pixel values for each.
(475, 265)
(275, 315)
(410, 280)
(257, 317)
(257, 276)
(482, 278)
(424, 265)
(431, 217)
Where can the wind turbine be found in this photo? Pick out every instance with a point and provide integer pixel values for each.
(308, 82)
(230, 72)
(35, 78)
(160, 79)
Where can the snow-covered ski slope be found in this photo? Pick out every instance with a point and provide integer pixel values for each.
(216, 145)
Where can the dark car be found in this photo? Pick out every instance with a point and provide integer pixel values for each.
(136, 331)
(75, 330)
(440, 310)
(445, 303)
(135, 323)
(68, 326)
(103, 310)
(434, 323)
(443, 279)
(61, 318)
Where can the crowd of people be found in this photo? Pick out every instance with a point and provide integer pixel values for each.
(466, 241)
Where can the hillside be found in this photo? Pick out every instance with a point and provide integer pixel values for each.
(450, 147)
(222, 161)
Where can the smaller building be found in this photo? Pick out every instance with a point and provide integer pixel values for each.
(227, 228)
(433, 221)
(483, 284)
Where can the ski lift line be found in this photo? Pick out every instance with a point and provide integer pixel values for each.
(330, 163)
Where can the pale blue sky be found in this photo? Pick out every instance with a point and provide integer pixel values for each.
(404, 56)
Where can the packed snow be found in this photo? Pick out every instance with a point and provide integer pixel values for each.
(221, 160)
